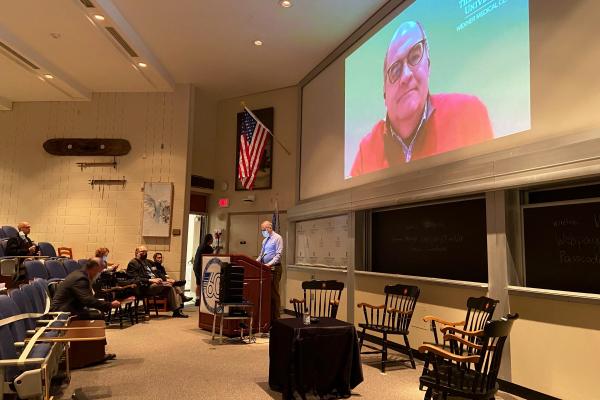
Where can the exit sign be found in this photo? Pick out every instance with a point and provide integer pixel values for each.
(224, 202)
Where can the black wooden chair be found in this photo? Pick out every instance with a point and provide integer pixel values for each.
(479, 312)
(321, 299)
(472, 375)
(391, 318)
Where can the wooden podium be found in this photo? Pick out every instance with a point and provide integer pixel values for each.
(252, 290)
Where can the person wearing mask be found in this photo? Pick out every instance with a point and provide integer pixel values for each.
(159, 270)
(139, 269)
(270, 255)
(108, 281)
(204, 248)
(21, 245)
(102, 252)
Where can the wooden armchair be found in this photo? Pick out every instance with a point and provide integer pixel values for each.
(321, 299)
(470, 376)
(479, 312)
(391, 318)
(65, 252)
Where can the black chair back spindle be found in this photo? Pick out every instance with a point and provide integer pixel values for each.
(321, 299)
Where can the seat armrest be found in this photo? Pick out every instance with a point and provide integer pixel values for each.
(430, 318)
(292, 301)
(427, 348)
(367, 305)
(15, 362)
(453, 329)
(453, 338)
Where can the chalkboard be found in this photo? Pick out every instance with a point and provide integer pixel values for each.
(445, 240)
(562, 247)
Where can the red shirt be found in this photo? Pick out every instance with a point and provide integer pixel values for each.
(457, 120)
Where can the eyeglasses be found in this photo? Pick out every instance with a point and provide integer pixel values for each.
(414, 57)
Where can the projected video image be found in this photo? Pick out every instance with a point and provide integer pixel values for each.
(440, 76)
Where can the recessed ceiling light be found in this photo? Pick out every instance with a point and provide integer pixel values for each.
(142, 64)
(48, 76)
(258, 42)
(99, 17)
(285, 3)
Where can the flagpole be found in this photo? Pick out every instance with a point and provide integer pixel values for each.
(270, 133)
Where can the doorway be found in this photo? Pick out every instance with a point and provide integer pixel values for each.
(197, 229)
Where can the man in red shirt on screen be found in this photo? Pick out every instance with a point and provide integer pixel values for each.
(418, 124)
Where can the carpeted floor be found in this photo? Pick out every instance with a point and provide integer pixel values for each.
(169, 358)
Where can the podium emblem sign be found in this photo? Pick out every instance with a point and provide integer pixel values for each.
(211, 276)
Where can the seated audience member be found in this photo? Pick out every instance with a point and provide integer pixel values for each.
(204, 248)
(21, 245)
(139, 269)
(159, 270)
(75, 294)
(102, 252)
(108, 281)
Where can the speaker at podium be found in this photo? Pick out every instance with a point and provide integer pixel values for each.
(233, 278)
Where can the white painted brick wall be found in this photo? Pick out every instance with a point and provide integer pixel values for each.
(53, 193)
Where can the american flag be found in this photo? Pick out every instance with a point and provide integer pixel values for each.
(253, 138)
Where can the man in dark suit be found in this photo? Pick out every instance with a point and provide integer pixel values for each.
(21, 245)
(75, 294)
(140, 271)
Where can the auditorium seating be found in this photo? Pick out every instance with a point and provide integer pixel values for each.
(70, 265)
(35, 269)
(47, 249)
(10, 231)
(56, 269)
(30, 353)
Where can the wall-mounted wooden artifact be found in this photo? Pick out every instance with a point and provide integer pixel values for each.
(87, 147)
(83, 165)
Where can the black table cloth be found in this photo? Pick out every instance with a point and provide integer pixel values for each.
(322, 358)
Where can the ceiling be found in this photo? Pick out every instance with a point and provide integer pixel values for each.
(57, 50)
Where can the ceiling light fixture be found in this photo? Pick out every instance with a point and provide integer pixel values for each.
(285, 3)
(258, 43)
(142, 64)
(99, 17)
(48, 76)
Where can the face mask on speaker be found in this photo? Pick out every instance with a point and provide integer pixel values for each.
(264, 233)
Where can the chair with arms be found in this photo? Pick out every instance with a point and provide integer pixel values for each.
(321, 299)
(391, 318)
(472, 375)
(66, 252)
(479, 312)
